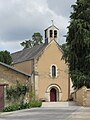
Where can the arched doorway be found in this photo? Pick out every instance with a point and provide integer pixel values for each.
(53, 93)
(53, 96)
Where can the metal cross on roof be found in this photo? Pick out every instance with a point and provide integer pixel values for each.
(52, 22)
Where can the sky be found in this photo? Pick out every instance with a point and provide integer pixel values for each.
(20, 19)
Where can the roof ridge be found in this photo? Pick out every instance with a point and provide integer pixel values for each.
(27, 54)
(51, 26)
(25, 49)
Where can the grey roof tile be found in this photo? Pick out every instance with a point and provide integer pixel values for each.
(27, 54)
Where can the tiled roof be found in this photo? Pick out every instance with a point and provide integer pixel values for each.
(27, 54)
(10, 67)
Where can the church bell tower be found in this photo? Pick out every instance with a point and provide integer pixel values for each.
(51, 33)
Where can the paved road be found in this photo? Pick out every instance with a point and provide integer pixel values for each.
(60, 113)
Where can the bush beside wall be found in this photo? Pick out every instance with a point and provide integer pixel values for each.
(16, 106)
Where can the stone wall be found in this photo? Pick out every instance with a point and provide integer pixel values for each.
(82, 96)
(10, 76)
(88, 98)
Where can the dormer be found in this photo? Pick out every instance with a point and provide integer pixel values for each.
(51, 33)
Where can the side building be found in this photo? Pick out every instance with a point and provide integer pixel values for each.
(9, 77)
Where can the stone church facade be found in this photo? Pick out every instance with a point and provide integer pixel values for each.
(41, 67)
(49, 72)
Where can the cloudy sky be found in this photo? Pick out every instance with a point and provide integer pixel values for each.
(19, 19)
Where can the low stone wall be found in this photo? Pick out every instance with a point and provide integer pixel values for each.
(88, 98)
(82, 96)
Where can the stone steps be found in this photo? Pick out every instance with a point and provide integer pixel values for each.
(58, 104)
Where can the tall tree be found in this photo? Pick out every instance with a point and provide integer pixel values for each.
(78, 44)
(5, 57)
(36, 40)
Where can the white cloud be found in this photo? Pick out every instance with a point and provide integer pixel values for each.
(61, 7)
(11, 46)
(19, 19)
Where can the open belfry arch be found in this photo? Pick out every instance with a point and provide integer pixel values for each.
(51, 33)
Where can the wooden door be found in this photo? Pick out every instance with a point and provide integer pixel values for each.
(1, 97)
(53, 95)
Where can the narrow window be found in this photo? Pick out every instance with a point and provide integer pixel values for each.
(53, 71)
(55, 33)
(45, 34)
(51, 33)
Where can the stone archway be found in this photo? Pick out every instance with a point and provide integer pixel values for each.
(53, 93)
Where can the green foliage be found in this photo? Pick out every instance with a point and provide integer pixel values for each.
(35, 103)
(5, 57)
(77, 52)
(16, 106)
(80, 79)
(65, 52)
(13, 107)
(36, 40)
(17, 92)
(16, 96)
(27, 44)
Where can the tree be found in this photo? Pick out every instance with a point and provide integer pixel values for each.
(27, 44)
(78, 44)
(36, 40)
(5, 57)
(65, 51)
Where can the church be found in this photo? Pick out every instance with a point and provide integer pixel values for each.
(49, 73)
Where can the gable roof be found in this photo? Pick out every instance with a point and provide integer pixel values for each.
(31, 53)
(59, 46)
(12, 68)
(27, 54)
(50, 27)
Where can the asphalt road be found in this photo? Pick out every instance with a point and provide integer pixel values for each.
(61, 113)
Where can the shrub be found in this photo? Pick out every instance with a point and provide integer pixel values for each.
(16, 93)
(15, 106)
(12, 107)
(24, 105)
(35, 103)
